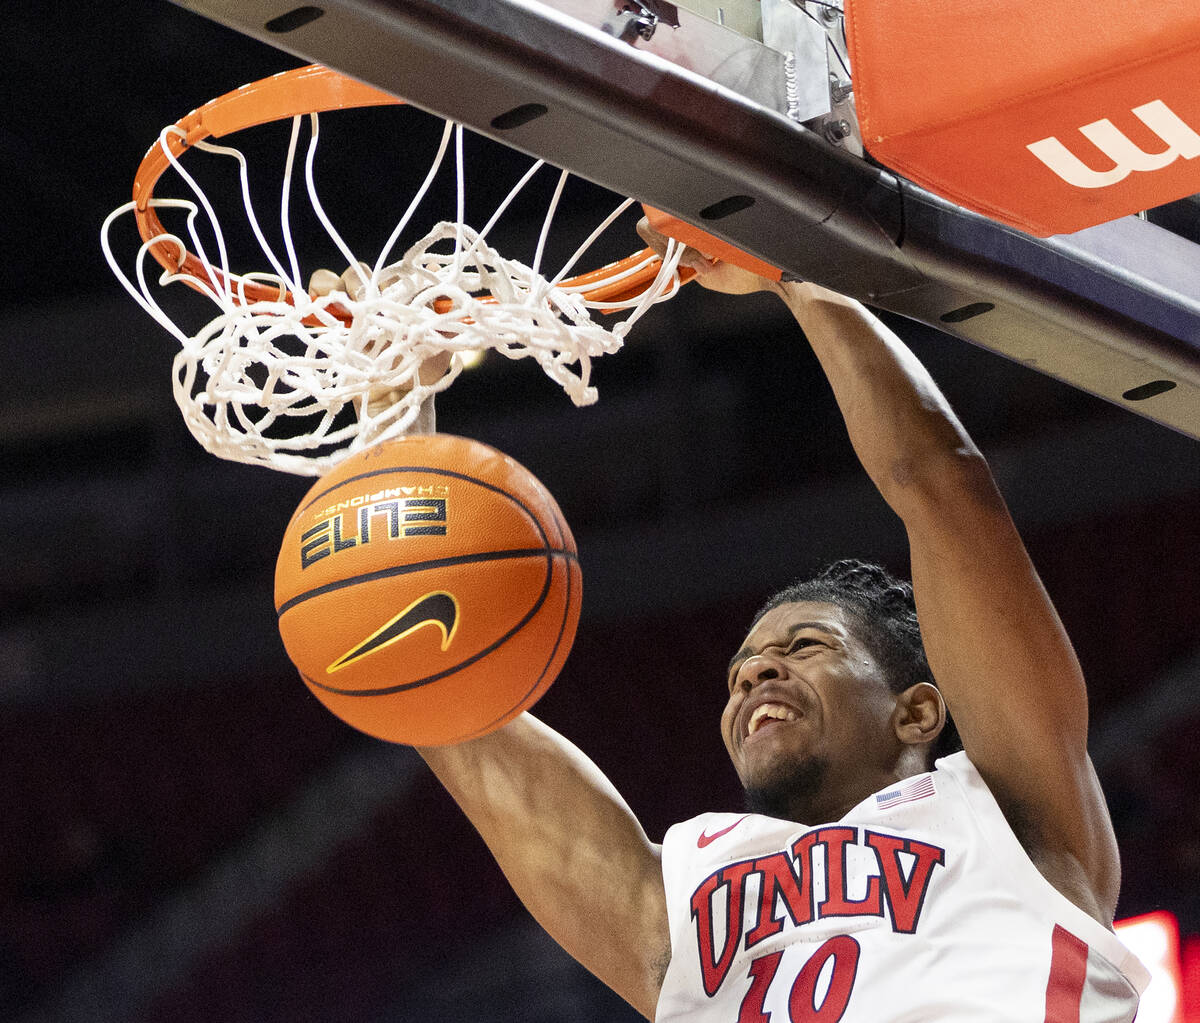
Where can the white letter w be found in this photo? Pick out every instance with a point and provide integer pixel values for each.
(1180, 140)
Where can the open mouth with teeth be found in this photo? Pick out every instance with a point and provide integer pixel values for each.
(767, 715)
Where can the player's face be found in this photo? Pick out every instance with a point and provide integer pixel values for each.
(808, 709)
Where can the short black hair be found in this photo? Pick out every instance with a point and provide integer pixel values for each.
(883, 606)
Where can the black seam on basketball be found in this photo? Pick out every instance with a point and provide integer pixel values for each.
(541, 675)
(417, 683)
(420, 566)
(549, 661)
(558, 538)
(561, 528)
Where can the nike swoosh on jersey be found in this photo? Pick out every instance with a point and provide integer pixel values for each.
(438, 608)
(705, 838)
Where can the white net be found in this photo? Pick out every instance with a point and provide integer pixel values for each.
(297, 377)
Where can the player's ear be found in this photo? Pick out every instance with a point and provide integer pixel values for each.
(920, 714)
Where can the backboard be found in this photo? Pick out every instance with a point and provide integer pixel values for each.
(686, 108)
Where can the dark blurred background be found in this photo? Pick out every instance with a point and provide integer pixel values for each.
(185, 834)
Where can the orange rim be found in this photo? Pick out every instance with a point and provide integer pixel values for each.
(308, 90)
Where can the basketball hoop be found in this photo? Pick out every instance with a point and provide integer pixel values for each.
(296, 377)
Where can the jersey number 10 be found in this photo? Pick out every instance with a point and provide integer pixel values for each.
(802, 1002)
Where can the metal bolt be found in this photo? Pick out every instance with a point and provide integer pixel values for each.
(839, 90)
(829, 15)
(837, 130)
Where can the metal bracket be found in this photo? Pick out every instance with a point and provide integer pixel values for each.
(841, 126)
(794, 33)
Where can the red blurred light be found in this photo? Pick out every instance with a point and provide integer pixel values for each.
(1154, 938)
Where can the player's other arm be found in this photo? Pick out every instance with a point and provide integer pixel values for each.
(994, 640)
(571, 848)
(995, 643)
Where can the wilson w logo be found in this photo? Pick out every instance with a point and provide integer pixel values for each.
(1179, 138)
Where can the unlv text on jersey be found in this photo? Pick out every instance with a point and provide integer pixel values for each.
(897, 873)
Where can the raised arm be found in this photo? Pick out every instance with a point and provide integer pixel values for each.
(995, 644)
(571, 848)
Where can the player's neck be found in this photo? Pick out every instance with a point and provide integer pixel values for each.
(825, 798)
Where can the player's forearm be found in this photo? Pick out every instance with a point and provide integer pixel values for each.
(514, 775)
(903, 431)
(569, 845)
(536, 800)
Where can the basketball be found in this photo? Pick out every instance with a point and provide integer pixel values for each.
(428, 590)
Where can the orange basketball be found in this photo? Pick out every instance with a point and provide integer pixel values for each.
(428, 590)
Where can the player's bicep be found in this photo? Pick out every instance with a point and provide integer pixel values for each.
(1005, 665)
(570, 846)
(994, 640)
(608, 910)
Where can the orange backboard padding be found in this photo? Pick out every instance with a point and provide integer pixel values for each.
(707, 245)
(1047, 118)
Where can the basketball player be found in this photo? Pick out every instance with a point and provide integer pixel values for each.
(868, 883)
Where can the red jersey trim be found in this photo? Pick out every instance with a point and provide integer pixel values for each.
(1068, 972)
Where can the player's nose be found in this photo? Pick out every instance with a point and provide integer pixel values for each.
(759, 668)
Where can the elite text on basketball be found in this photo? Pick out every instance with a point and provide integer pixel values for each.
(397, 516)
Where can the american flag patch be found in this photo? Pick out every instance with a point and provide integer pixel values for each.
(906, 792)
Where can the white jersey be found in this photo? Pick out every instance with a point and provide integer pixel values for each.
(919, 905)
